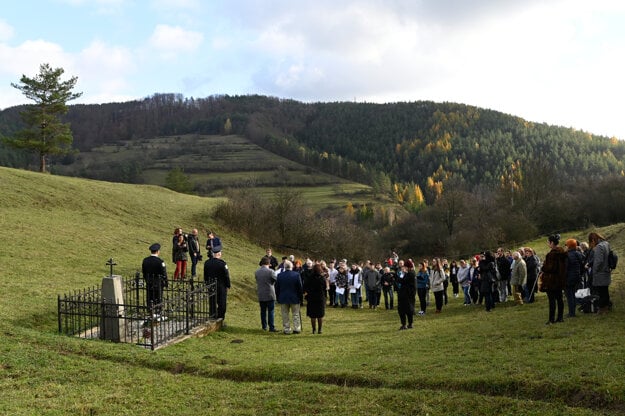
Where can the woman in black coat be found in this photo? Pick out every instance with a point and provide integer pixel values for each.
(315, 289)
(488, 276)
(406, 287)
(531, 261)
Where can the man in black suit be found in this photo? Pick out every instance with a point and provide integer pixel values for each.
(155, 276)
(216, 271)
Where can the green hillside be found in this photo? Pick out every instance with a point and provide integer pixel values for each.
(60, 232)
(214, 163)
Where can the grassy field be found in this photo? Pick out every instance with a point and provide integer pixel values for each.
(59, 233)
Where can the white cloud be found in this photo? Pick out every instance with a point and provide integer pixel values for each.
(6, 31)
(170, 40)
(103, 71)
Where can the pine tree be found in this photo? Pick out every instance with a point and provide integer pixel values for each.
(44, 132)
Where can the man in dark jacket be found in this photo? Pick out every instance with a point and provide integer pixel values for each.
(216, 271)
(273, 262)
(213, 244)
(193, 245)
(155, 276)
(290, 295)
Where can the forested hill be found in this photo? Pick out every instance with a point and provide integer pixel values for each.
(418, 142)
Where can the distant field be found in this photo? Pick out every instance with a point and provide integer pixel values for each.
(216, 163)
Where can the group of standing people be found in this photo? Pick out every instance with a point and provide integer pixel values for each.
(290, 287)
(486, 279)
(565, 270)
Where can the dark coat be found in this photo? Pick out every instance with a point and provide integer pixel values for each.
(289, 290)
(217, 270)
(554, 270)
(574, 267)
(154, 272)
(488, 275)
(406, 286)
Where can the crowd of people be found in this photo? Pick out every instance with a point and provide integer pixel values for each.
(485, 279)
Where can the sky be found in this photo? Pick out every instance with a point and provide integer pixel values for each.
(559, 62)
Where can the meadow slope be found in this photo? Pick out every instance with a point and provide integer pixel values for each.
(59, 233)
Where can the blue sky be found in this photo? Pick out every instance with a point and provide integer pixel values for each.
(554, 61)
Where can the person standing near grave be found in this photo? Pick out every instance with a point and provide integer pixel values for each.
(265, 281)
(180, 257)
(155, 276)
(216, 271)
(194, 251)
(212, 244)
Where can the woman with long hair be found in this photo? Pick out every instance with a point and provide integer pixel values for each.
(437, 283)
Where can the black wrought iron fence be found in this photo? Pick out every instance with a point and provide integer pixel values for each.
(185, 305)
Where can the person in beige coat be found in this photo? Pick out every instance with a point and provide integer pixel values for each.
(518, 277)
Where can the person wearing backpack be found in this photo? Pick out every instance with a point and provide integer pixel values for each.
(600, 268)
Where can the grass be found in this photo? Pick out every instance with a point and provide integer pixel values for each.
(59, 232)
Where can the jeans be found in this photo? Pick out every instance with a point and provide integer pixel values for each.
(467, 295)
(332, 294)
(388, 296)
(341, 299)
(355, 298)
(570, 298)
(267, 314)
(193, 265)
(502, 286)
(422, 292)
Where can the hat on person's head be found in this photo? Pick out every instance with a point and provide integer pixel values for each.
(155, 247)
(408, 263)
(216, 250)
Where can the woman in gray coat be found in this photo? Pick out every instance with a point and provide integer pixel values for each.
(601, 272)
